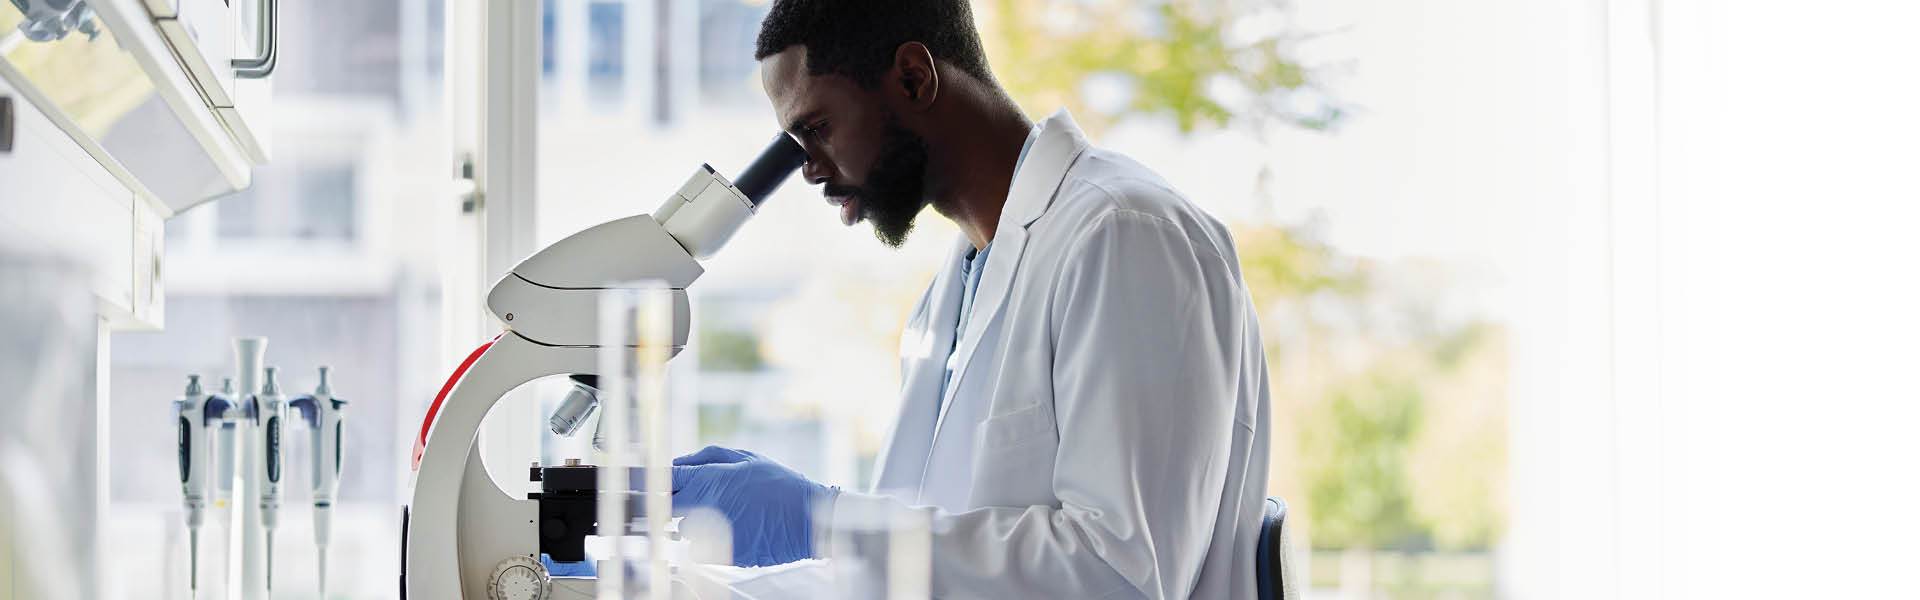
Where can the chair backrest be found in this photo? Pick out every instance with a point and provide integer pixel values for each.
(1273, 577)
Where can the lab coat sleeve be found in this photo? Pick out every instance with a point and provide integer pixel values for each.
(1145, 328)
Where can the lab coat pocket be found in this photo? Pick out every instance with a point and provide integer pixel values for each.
(1015, 453)
(1017, 428)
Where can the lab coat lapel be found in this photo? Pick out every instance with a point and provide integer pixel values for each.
(1059, 144)
(923, 356)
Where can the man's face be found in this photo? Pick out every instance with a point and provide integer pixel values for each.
(872, 166)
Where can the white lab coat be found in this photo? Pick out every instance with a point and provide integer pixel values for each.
(1105, 435)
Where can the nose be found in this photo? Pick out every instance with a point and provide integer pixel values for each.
(815, 171)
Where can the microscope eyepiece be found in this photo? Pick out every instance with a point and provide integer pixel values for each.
(771, 168)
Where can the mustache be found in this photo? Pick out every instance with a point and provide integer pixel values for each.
(834, 189)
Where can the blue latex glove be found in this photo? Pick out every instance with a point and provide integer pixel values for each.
(568, 569)
(769, 506)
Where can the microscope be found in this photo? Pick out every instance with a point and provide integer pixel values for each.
(463, 536)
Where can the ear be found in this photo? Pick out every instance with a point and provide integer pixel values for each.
(914, 75)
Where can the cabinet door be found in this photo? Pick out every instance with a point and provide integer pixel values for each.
(207, 36)
(115, 87)
(58, 199)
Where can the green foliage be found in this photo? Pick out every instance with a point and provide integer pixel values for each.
(1454, 347)
(1460, 455)
(730, 350)
(1356, 459)
(1278, 263)
(1171, 51)
(1405, 449)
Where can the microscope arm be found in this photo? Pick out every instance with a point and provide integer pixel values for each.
(460, 523)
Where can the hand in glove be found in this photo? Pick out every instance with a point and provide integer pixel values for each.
(769, 506)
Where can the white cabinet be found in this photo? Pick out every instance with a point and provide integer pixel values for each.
(123, 113)
(228, 47)
(55, 198)
(173, 114)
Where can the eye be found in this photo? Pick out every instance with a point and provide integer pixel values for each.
(813, 131)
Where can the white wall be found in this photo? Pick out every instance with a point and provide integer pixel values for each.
(1711, 393)
(1796, 158)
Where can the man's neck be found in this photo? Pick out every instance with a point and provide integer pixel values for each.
(980, 157)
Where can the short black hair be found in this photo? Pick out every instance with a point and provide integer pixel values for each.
(857, 38)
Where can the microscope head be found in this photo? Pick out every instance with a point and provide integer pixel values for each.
(699, 218)
(552, 297)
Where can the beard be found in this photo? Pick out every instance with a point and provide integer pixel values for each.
(896, 184)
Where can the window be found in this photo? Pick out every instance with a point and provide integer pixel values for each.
(294, 201)
(606, 51)
(325, 200)
(727, 36)
(548, 26)
(236, 212)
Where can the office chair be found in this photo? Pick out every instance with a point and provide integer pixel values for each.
(1271, 572)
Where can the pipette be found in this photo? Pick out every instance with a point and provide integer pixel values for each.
(272, 407)
(323, 415)
(227, 441)
(196, 416)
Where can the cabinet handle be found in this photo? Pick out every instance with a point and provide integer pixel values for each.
(6, 124)
(261, 66)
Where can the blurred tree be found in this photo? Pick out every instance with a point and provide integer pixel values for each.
(731, 350)
(1458, 459)
(1200, 62)
(1390, 431)
(1357, 463)
(1279, 262)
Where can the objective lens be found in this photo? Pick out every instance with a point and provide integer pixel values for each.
(574, 410)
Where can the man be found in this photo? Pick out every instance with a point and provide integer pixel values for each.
(1084, 401)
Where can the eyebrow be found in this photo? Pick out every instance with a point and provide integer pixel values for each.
(800, 122)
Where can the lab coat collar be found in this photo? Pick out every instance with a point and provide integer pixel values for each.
(1059, 144)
